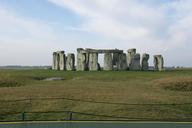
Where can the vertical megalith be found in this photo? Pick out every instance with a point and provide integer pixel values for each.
(62, 60)
(87, 54)
(57, 61)
(93, 62)
(54, 61)
(108, 61)
(70, 62)
(122, 62)
(130, 55)
(135, 62)
(81, 60)
(144, 62)
(115, 60)
(158, 63)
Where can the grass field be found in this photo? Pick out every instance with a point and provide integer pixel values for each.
(154, 95)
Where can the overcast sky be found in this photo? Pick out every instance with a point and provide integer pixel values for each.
(30, 30)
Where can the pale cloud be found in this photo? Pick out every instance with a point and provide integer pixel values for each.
(161, 27)
(19, 25)
(126, 21)
(155, 27)
(25, 41)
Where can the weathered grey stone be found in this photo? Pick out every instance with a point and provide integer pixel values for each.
(132, 51)
(144, 62)
(158, 63)
(130, 55)
(70, 62)
(87, 61)
(135, 62)
(62, 61)
(115, 58)
(89, 50)
(57, 61)
(122, 62)
(54, 61)
(81, 60)
(93, 62)
(108, 61)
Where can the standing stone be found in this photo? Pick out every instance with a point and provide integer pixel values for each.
(130, 55)
(70, 62)
(135, 62)
(108, 62)
(81, 60)
(115, 58)
(62, 61)
(57, 61)
(144, 62)
(158, 63)
(87, 54)
(122, 62)
(93, 62)
(54, 61)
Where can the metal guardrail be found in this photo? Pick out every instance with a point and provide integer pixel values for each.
(89, 101)
(72, 115)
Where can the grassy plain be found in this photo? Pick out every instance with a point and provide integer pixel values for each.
(130, 94)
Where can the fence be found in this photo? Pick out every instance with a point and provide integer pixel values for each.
(38, 109)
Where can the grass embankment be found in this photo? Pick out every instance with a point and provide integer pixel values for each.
(119, 92)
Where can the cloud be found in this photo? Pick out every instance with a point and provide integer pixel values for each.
(16, 26)
(128, 20)
(157, 27)
(161, 26)
(25, 41)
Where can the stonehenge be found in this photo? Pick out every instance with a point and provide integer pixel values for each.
(114, 59)
(158, 63)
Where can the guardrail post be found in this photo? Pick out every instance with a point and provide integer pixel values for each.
(23, 116)
(70, 115)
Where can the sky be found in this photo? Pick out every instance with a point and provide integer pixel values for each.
(30, 30)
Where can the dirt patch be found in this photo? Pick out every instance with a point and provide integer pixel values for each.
(39, 78)
(53, 79)
(47, 78)
(175, 83)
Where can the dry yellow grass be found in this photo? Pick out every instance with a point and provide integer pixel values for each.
(175, 83)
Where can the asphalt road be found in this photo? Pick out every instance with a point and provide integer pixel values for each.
(84, 124)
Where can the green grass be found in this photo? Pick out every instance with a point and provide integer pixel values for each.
(126, 87)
